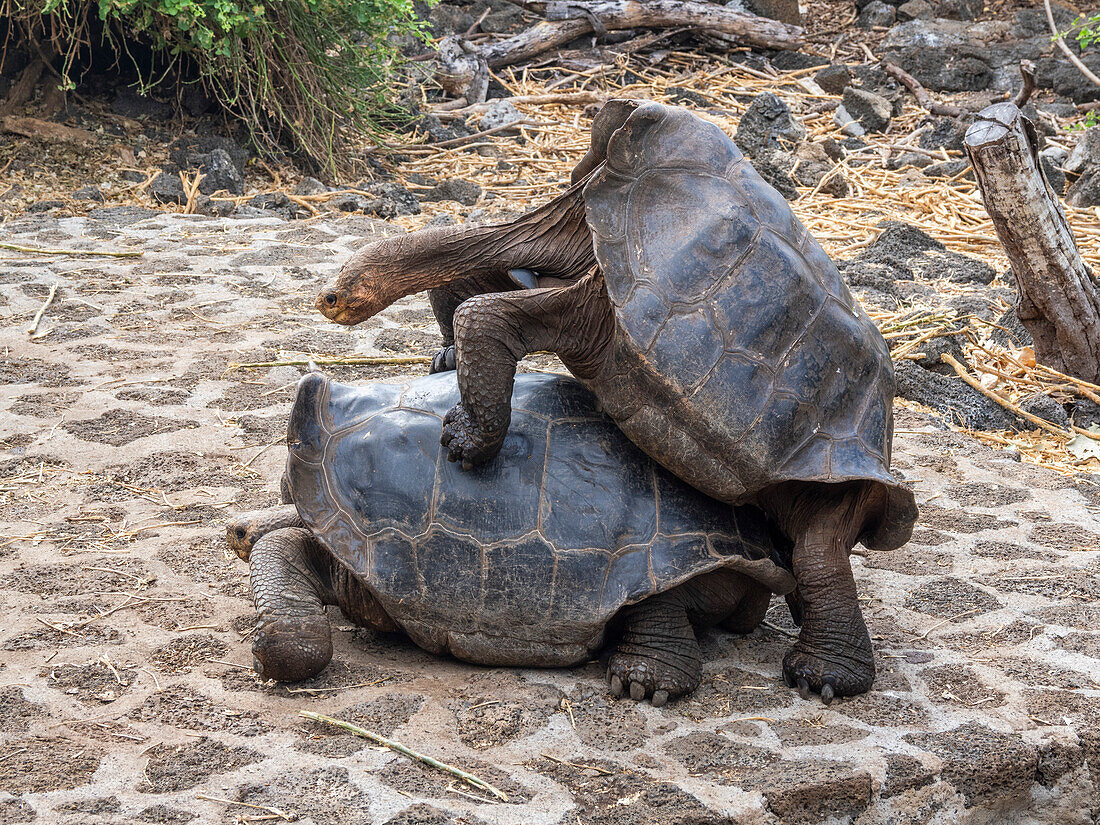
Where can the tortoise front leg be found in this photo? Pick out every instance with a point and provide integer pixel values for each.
(446, 299)
(493, 332)
(833, 655)
(293, 639)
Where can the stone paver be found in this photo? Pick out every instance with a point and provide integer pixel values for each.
(125, 696)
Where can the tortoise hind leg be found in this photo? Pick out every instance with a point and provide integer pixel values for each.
(493, 332)
(658, 655)
(833, 655)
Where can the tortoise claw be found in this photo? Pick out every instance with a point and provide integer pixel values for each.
(804, 688)
(659, 698)
(827, 693)
(637, 692)
(616, 686)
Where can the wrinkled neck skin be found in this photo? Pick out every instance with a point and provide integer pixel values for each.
(842, 510)
(553, 240)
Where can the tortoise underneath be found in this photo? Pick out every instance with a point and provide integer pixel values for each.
(570, 540)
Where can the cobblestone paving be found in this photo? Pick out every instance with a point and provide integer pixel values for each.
(126, 439)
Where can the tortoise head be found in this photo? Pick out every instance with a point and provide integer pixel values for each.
(387, 270)
(241, 534)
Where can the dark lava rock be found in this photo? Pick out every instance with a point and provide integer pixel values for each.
(1086, 191)
(1086, 153)
(191, 151)
(906, 159)
(948, 169)
(1045, 408)
(392, 199)
(349, 202)
(132, 176)
(45, 206)
(89, 193)
(311, 186)
(934, 349)
(873, 112)
(877, 15)
(833, 78)
(463, 191)
(775, 168)
(946, 132)
(942, 54)
(953, 398)
(447, 19)
(220, 174)
(1086, 413)
(983, 764)
(1009, 332)
(271, 201)
(795, 61)
(958, 9)
(215, 207)
(767, 124)
(1053, 173)
(915, 10)
(433, 127)
(167, 188)
(815, 168)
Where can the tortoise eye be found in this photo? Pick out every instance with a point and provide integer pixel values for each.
(240, 532)
(330, 299)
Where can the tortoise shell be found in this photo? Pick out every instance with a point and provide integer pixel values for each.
(761, 366)
(543, 545)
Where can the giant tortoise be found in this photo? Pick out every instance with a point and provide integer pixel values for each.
(569, 539)
(713, 329)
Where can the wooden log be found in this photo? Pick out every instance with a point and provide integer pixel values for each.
(21, 91)
(1059, 296)
(567, 21)
(33, 127)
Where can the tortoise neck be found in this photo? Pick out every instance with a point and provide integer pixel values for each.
(552, 240)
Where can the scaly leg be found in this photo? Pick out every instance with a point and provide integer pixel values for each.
(446, 299)
(293, 640)
(833, 654)
(658, 655)
(493, 332)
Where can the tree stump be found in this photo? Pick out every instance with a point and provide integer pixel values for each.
(1059, 296)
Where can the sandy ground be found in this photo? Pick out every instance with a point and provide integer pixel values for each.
(125, 694)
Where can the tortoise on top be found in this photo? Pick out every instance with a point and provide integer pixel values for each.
(573, 537)
(715, 331)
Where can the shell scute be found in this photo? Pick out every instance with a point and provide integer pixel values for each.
(451, 572)
(766, 302)
(399, 496)
(499, 500)
(393, 567)
(685, 265)
(585, 483)
(774, 437)
(577, 584)
(689, 347)
(648, 313)
(519, 579)
(673, 556)
(629, 578)
(736, 392)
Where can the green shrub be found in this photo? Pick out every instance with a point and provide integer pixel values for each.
(299, 73)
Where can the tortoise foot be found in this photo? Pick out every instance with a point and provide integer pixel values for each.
(293, 648)
(828, 674)
(465, 441)
(443, 361)
(658, 657)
